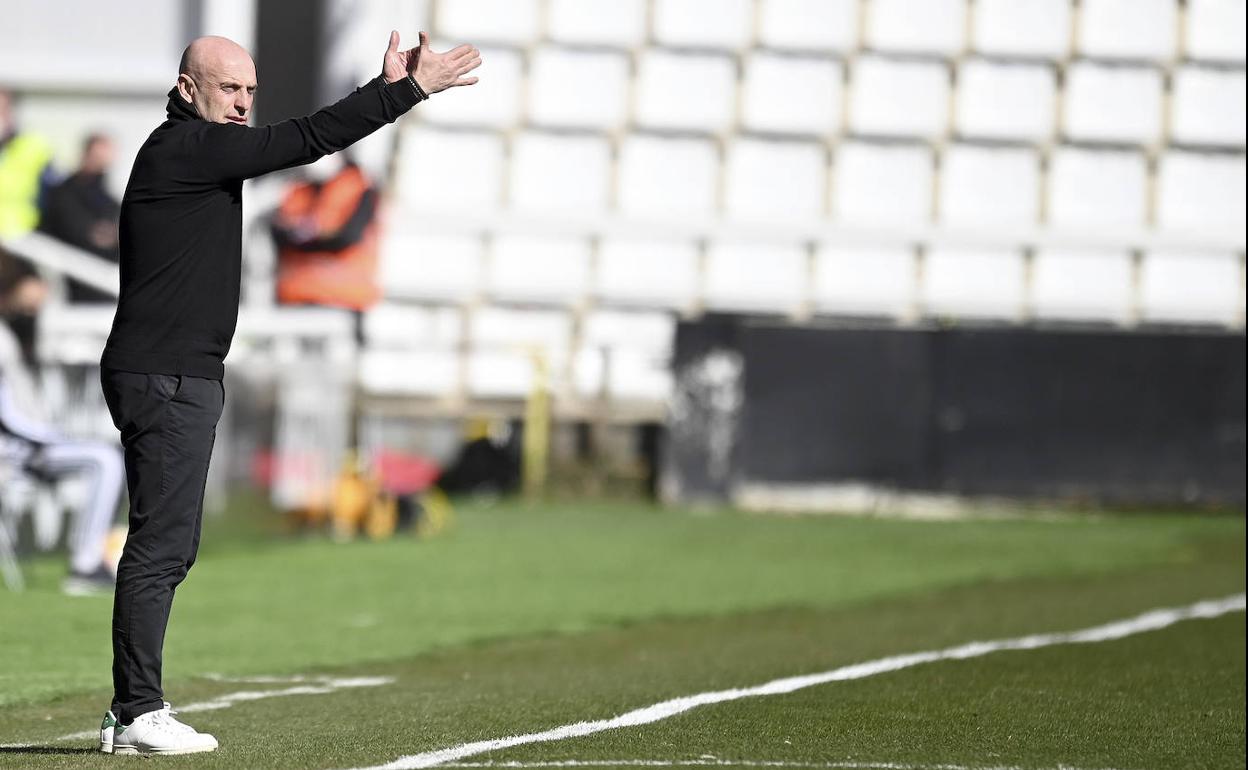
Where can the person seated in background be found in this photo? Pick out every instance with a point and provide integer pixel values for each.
(48, 454)
(82, 212)
(26, 173)
(326, 234)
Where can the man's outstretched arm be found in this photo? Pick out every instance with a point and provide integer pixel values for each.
(408, 77)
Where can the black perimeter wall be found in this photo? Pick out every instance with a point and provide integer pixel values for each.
(1117, 417)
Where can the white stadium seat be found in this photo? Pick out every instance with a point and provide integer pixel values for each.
(791, 95)
(985, 283)
(775, 181)
(694, 92)
(620, 23)
(631, 376)
(748, 276)
(809, 25)
(530, 268)
(904, 26)
(1215, 30)
(1030, 28)
(559, 174)
(1201, 193)
(1113, 103)
(430, 372)
(488, 21)
(74, 333)
(1095, 188)
(494, 102)
(857, 280)
(647, 332)
(724, 24)
(665, 178)
(892, 97)
(880, 184)
(1069, 284)
(429, 159)
(501, 374)
(1186, 286)
(505, 329)
(578, 89)
(409, 326)
(417, 265)
(1005, 101)
(990, 187)
(647, 273)
(1128, 29)
(1208, 107)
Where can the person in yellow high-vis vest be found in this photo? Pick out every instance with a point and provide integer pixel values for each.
(25, 170)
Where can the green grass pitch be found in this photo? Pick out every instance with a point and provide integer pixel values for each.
(302, 653)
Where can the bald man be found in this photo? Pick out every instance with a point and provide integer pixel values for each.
(161, 370)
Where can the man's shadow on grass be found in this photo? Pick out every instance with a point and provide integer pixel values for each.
(45, 750)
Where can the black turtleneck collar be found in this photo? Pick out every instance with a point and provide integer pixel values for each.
(180, 109)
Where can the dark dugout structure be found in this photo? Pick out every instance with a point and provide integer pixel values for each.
(1111, 417)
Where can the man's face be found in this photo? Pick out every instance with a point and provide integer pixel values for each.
(223, 90)
(26, 297)
(99, 156)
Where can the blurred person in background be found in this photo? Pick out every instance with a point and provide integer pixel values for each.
(161, 370)
(46, 454)
(82, 212)
(26, 173)
(326, 234)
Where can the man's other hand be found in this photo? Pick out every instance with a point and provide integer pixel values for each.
(435, 72)
(396, 64)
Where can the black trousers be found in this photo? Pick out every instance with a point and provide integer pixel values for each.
(168, 424)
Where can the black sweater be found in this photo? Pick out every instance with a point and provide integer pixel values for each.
(182, 223)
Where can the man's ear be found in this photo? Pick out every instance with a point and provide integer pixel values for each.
(186, 87)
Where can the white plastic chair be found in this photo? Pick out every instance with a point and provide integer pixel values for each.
(1097, 188)
(791, 95)
(1129, 29)
(775, 181)
(1201, 193)
(882, 184)
(1215, 30)
(664, 99)
(618, 23)
(664, 178)
(902, 98)
(578, 89)
(1013, 101)
(1208, 106)
(558, 174)
(722, 24)
(809, 25)
(929, 27)
(987, 186)
(1022, 28)
(1113, 103)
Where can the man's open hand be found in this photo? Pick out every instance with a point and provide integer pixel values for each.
(436, 72)
(432, 71)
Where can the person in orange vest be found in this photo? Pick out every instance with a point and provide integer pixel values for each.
(326, 233)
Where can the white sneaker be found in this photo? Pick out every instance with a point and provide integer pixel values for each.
(106, 732)
(155, 732)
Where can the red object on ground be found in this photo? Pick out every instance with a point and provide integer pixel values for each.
(405, 474)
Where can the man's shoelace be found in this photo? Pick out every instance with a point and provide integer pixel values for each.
(166, 719)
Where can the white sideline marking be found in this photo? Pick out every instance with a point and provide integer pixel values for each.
(1148, 621)
(710, 762)
(317, 685)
